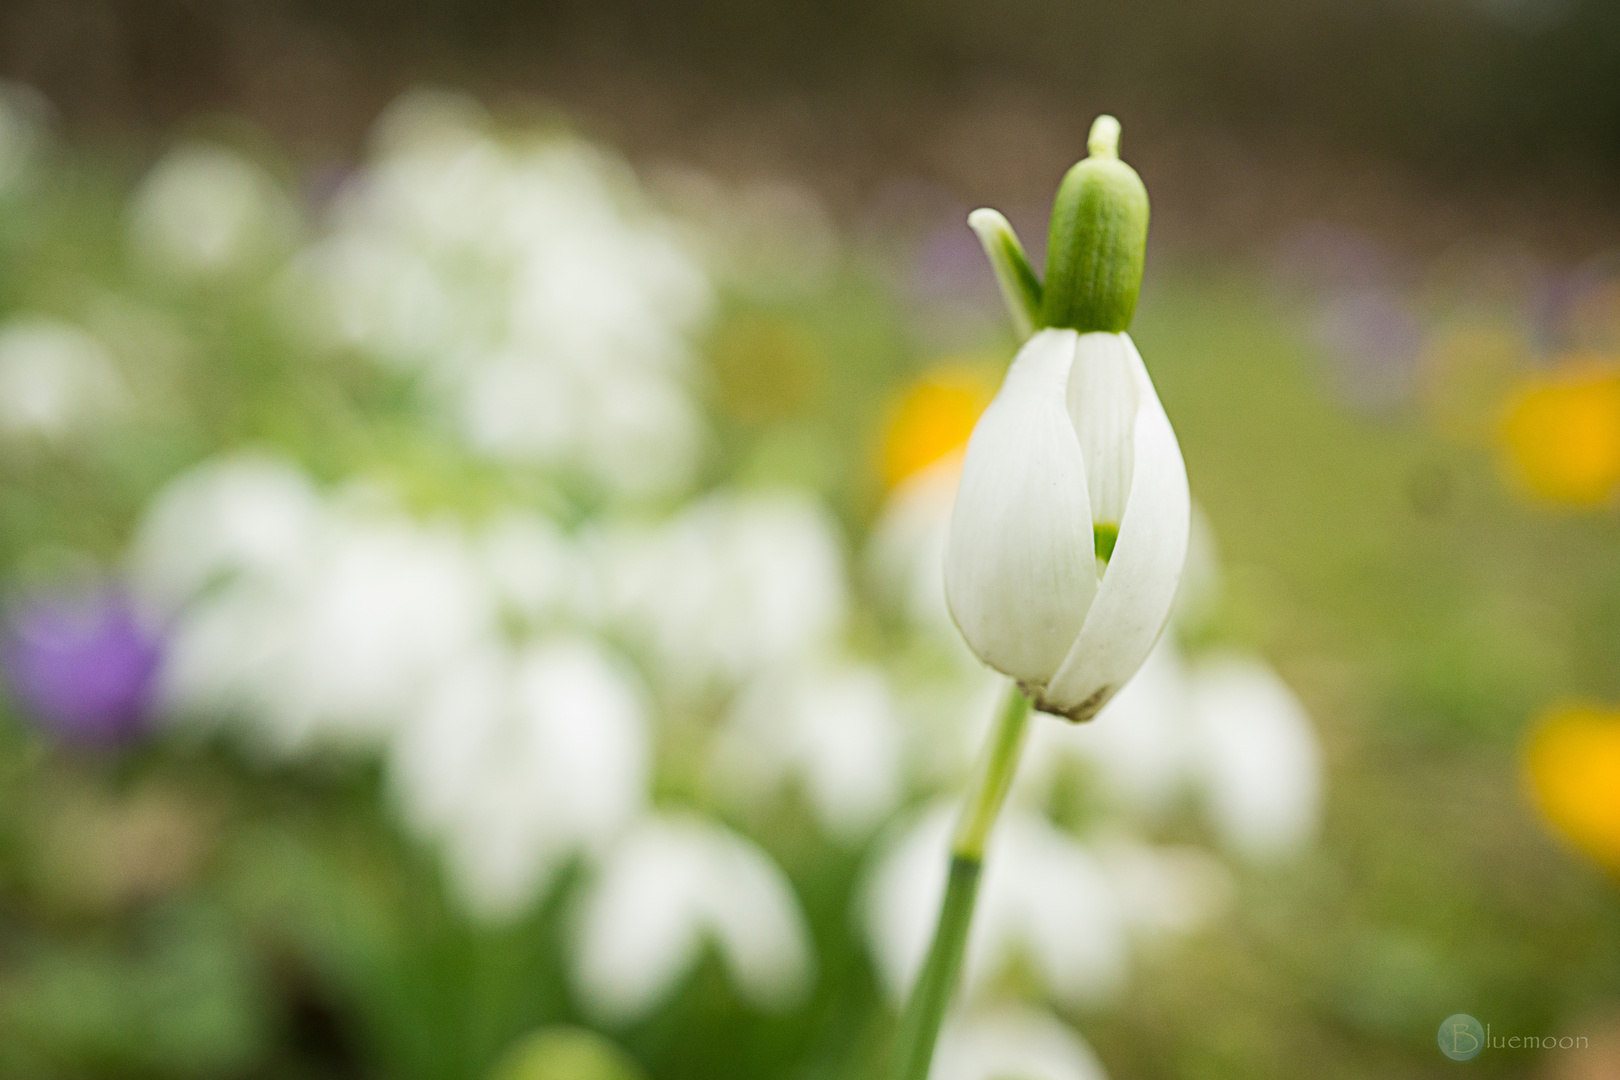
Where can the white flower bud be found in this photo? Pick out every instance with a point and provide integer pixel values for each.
(1071, 522)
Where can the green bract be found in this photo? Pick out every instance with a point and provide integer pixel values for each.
(1096, 245)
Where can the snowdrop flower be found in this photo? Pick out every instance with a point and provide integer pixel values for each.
(55, 380)
(205, 211)
(1166, 892)
(1260, 764)
(548, 311)
(1138, 749)
(537, 572)
(1071, 521)
(373, 294)
(1073, 464)
(734, 585)
(1013, 1043)
(1044, 899)
(906, 554)
(674, 884)
(312, 622)
(637, 432)
(518, 761)
(244, 513)
(834, 731)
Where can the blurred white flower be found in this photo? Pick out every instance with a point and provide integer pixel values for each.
(55, 380)
(638, 432)
(538, 573)
(832, 730)
(1139, 749)
(1165, 891)
(518, 761)
(244, 513)
(905, 556)
(672, 886)
(312, 622)
(1259, 762)
(1012, 1044)
(734, 585)
(206, 211)
(24, 134)
(371, 294)
(1044, 899)
(549, 311)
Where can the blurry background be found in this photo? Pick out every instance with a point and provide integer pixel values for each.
(470, 503)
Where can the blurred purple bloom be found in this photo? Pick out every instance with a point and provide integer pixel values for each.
(81, 663)
(1371, 341)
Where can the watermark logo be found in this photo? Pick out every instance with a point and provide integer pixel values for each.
(1461, 1037)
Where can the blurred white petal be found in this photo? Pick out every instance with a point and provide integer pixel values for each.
(1260, 762)
(516, 762)
(55, 380)
(205, 211)
(735, 584)
(241, 513)
(1165, 891)
(1012, 1044)
(906, 554)
(831, 730)
(536, 570)
(1043, 898)
(1139, 748)
(673, 885)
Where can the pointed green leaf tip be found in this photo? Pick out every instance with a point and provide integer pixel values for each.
(566, 1053)
(1020, 288)
(1098, 240)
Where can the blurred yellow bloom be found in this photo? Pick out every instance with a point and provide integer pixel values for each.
(1573, 767)
(932, 419)
(1562, 434)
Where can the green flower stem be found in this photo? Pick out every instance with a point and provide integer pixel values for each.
(925, 1012)
(1020, 288)
(993, 777)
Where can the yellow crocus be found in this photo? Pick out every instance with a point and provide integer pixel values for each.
(932, 419)
(1561, 435)
(1572, 764)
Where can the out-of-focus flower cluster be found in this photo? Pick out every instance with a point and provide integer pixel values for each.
(1499, 351)
(595, 661)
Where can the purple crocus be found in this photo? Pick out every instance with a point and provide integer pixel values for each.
(81, 662)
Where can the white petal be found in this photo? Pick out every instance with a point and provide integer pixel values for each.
(1047, 899)
(1102, 398)
(673, 883)
(638, 932)
(1259, 753)
(1044, 899)
(1137, 749)
(900, 894)
(831, 730)
(1013, 1043)
(755, 917)
(1020, 571)
(1133, 601)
